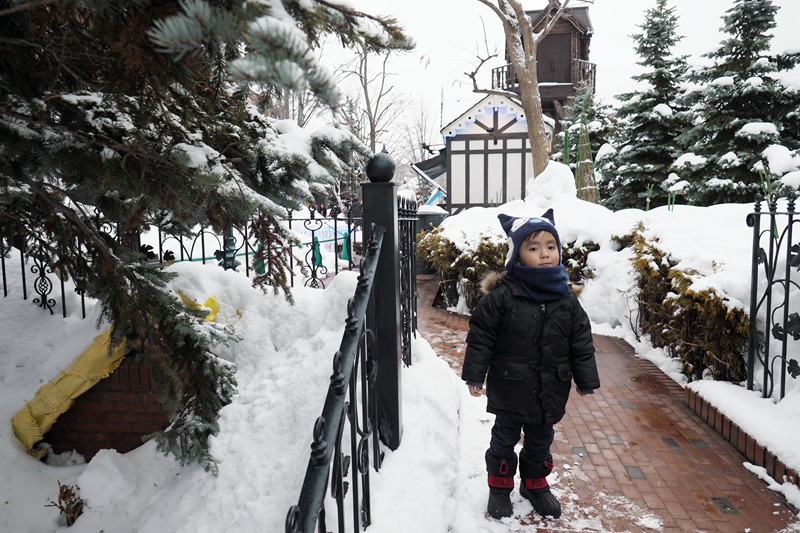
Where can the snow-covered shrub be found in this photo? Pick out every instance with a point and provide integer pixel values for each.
(701, 328)
(461, 271)
(575, 258)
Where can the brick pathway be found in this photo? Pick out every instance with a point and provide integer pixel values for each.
(634, 451)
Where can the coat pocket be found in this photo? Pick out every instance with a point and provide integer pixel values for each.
(508, 370)
(564, 374)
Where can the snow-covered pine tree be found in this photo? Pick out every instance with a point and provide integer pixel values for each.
(737, 111)
(131, 113)
(645, 139)
(583, 110)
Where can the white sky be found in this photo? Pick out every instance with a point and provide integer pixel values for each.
(448, 33)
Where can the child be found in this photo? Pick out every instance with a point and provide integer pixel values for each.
(532, 336)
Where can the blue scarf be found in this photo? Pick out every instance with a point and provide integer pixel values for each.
(543, 284)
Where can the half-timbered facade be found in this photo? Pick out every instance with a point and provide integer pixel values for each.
(488, 154)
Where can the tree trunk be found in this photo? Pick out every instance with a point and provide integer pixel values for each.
(522, 42)
(532, 103)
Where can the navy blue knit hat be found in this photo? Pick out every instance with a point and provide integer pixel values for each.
(518, 229)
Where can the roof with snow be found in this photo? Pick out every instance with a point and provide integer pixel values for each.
(432, 168)
(578, 16)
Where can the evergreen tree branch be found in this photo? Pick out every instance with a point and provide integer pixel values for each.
(24, 6)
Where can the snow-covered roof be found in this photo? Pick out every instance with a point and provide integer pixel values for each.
(431, 169)
(578, 16)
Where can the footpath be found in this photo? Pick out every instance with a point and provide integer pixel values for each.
(637, 439)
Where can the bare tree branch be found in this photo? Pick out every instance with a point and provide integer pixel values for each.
(553, 20)
(474, 77)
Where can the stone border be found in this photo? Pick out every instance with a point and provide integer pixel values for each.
(747, 445)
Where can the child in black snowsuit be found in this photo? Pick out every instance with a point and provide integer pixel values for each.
(533, 337)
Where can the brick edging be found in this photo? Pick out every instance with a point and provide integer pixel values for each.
(754, 452)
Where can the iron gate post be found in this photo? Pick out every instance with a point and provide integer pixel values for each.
(380, 208)
(754, 221)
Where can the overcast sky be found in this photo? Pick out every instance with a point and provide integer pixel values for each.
(449, 32)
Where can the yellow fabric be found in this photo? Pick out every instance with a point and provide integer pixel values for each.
(211, 304)
(55, 398)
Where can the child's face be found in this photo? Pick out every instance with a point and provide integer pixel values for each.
(540, 249)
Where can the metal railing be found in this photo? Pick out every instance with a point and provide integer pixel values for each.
(44, 278)
(581, 71)
(328, 245)
(775, 253)
(407, 238)
(367, 367)
(319, 233)
(354, 373)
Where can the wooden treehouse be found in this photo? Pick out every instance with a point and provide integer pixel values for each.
(562, 60)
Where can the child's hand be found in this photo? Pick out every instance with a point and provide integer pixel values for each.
(585, 392)
(474, 390)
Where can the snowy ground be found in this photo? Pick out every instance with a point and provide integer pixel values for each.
(436, 480)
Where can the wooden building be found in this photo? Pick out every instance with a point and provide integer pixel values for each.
(562, 57)
(487, 155)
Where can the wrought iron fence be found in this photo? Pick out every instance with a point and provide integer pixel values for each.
(44, 278)
(367, 362)
(354, 373)
(328, 245)
(775, 255)
(326, 242)
(407, 222)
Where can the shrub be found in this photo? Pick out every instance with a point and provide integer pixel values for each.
(575, 258)
(700, 328)
(460, 272)
(69, 504)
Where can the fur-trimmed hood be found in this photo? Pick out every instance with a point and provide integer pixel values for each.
(491, 281)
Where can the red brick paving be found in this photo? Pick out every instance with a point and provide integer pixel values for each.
(634, 449)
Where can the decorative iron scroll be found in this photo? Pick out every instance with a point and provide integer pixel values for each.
(42, 284)
(234, 247)
(354, 371)
(778, 257)
(313, 257)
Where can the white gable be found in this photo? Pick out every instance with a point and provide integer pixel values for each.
(507, 110)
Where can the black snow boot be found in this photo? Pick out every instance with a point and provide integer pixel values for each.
(501, 482)
(535, 488)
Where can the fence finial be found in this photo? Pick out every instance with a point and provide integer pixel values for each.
(380, 168)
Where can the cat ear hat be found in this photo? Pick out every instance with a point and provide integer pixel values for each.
(519, 228)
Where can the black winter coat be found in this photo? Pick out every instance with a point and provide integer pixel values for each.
(531, 350)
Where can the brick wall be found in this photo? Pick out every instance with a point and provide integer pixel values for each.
(114, 414)
(754, 452)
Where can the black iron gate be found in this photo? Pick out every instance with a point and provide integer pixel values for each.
(368, 362)
(773, 323)
(354, 372)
